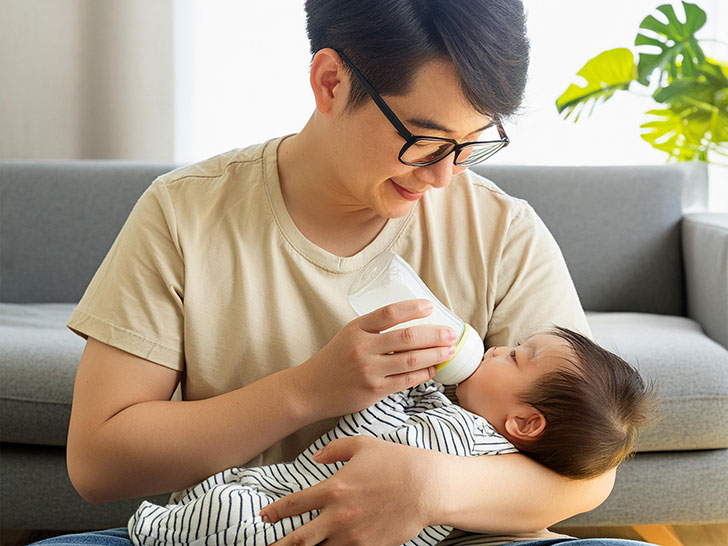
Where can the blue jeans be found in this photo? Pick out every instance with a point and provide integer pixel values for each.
(120, 537)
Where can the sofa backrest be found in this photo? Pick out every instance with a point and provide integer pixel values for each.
(618, 227)
(58, 221)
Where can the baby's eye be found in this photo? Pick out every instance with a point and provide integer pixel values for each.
(513, 354)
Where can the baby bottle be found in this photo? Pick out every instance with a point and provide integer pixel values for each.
(389, 279)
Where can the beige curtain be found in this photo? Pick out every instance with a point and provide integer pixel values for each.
(87, 79)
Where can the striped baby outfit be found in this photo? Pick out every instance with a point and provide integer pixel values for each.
(223, 510)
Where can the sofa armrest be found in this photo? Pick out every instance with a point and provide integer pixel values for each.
(705, 251)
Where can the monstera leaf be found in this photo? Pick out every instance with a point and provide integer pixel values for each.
(692, 90)
(680, 53)
(696, 120)
(672, 134)
(605, 74)
(688, 130)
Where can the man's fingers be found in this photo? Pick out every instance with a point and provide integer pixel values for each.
(410, 361)
(294, 504)
(311, 533)
(394, 314)
(420, 336)
(404, 381)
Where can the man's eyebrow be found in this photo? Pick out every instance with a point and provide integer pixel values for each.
(427, 123)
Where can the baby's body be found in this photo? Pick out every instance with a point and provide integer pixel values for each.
(532, 396)
(224, 508)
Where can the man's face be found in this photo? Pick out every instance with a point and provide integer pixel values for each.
(367, 146)
(506, 372)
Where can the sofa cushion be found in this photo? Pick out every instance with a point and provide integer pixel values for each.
(682, 488)
(690, 370)
(58, 220)
(48, 500)
(38, 361)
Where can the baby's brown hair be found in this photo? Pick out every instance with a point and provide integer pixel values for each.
(593, 410)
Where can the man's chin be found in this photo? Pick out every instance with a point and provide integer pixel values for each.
(398, 209)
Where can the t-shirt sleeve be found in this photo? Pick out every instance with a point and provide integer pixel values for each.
(534, 290)
(135, 300)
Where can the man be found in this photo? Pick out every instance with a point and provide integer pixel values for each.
(231, 275)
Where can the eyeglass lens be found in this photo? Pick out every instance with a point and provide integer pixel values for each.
(423, 152)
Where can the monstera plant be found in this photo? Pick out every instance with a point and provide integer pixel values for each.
(691, 122)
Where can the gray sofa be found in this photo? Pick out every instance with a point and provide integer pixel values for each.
(653, 278)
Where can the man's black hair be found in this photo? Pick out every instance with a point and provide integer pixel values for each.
(389, 40)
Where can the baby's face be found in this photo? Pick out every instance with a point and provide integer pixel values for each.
(505, 372)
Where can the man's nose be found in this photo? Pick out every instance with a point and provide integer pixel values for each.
(438, 175)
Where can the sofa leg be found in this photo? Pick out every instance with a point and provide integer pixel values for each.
(663, 535)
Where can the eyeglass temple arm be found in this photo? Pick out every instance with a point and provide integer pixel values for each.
(502, 133)
(386, 110)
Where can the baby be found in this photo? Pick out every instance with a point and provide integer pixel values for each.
(558, 398)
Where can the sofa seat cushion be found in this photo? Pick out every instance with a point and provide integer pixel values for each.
(690, 370)
(38, 361)
(39, 357)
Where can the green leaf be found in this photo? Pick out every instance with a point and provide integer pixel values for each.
(687, 131)
(666, 134)
(680, 54)
(700, 89)
(605, 74)
(716, 72)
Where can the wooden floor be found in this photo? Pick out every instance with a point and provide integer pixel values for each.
(688, 535)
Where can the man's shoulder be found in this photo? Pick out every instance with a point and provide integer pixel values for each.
(238, 176)
(240, 162)
(470, 187)
(471, 199)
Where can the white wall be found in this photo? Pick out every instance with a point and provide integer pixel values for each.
(86, 79)
(241, 74)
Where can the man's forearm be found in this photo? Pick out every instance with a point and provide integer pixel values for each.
(160, 446)
(511, 493)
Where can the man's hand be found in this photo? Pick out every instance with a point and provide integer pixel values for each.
(360, 366)
(380, 496)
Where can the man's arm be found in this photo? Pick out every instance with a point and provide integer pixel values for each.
(127, 439)
(510, 493)
(368, 502)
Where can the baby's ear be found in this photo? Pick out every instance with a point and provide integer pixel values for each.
(527, 425)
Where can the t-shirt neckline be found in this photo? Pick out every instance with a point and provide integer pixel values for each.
(320, 257)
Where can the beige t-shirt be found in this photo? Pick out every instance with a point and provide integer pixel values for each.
(210, 275)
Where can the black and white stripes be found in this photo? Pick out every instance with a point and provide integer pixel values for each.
(223, 510)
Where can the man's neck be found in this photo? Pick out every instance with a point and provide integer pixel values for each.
(316, 202)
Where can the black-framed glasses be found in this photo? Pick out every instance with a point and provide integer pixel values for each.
(419, 151)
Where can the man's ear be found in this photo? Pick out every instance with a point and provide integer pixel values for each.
(526, 425)
(327, 76)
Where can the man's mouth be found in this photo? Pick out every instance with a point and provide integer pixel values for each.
(405, 193)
